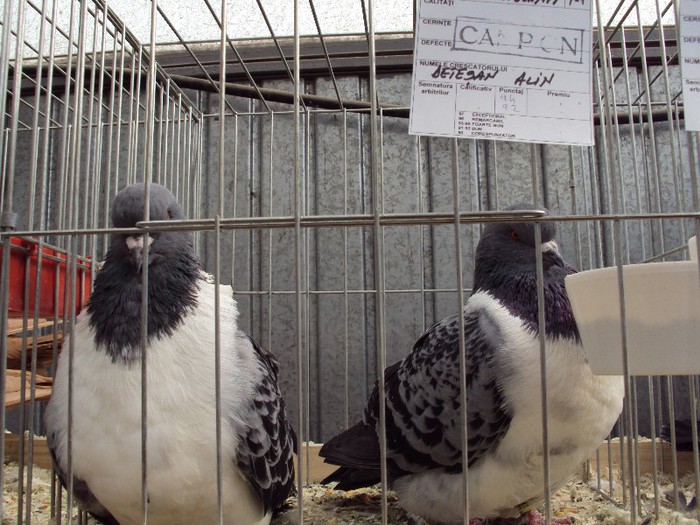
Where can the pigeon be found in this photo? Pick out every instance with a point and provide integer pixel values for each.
(504, 412)
(257, 441)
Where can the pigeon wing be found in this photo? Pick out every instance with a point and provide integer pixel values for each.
(423, 398)
(267, 442)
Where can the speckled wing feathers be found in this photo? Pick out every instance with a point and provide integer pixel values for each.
(267, 444)
(423, 405)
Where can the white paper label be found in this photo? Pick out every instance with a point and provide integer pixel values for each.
(503, 69)
(690, 62)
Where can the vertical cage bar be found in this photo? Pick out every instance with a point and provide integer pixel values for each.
(539, 270)
(346, 316)
(459, 278)
(151, 80)
(669, 116)
(378, 232)
(217, 258)
(307, 295)
(4, 72)
(165, 137)
(217, 362)
(298, 259)
(672, 424)
(22, 391)
(654, 186)
(693, 390)
(654, 459)
(72, 205)
(5, 267)
(633, 137)
(7, 217)
(120, 101)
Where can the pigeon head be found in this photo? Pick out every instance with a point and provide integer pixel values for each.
(505, 267)
(174, 274)
(127, 211)
(510, 248)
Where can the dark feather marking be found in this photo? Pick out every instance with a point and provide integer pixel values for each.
(115, 305)
(423, 421)
(266, 458)
(506, 268)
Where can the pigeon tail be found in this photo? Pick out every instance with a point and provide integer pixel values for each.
(349, 478)
(356, 452)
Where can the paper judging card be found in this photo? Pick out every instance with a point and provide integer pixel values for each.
(690, 62)
(503, 69)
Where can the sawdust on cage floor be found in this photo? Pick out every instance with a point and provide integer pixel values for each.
(39, 499)
(325, 506)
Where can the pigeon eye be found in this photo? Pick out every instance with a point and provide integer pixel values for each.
(514, 235)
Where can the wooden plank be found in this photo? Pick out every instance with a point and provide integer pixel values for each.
(16, 325)
(44, 349)
(41, 455)
(13, 388)
(645, 449)
(44, 343)
(317, 470)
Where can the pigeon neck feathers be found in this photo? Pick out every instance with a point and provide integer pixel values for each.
(115, 304)
(506, 269)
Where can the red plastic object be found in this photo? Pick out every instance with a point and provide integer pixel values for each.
(24, 258)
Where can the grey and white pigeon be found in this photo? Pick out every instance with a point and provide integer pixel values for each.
(257, 440)
(504, 413)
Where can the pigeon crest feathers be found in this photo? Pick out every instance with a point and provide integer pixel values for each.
(127, 211)
(128, 205)
(185, 402)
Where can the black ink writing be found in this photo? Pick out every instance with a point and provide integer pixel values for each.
(538, 80)
(534, 2)
(461, 73)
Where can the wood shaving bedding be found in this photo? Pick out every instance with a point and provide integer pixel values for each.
(324, 506)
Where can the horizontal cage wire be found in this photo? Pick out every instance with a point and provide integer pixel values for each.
(341, 238)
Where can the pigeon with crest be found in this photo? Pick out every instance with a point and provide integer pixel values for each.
(257, 441)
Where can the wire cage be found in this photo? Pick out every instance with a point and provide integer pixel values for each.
(343, 236)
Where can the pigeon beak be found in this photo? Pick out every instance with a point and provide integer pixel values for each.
(135, 245)
(551, 248)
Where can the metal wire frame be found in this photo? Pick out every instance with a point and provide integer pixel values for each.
(486, 216)
(340, 291)
(85, 98)
(116, 85)
(379, 221)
